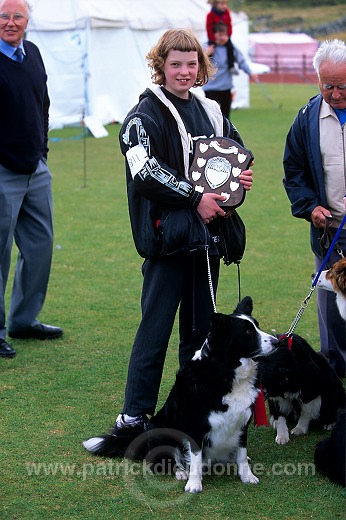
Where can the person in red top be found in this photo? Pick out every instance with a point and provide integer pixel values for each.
(219, 12)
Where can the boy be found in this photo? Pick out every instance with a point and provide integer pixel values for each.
(219, 13)
(220, 87)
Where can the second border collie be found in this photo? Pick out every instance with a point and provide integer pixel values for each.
(206, 415)
(298, 380)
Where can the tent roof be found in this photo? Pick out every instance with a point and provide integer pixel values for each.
(137, 14)
(94, 51)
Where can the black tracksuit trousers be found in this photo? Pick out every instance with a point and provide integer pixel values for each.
(168, 282)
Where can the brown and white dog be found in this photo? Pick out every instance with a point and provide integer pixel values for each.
(334, 279)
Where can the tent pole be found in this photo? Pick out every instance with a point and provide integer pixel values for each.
(84, 149)
(86, 108)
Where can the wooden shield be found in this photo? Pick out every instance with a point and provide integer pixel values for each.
(216, 167)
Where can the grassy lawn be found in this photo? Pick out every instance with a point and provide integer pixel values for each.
(271, 16)
(54, 395)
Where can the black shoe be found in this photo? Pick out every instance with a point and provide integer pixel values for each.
(6, 350)
(39, 331)
(130, 430)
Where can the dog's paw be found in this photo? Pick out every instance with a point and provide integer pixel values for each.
(249, 478)
(181, 474)
(298, 431)
(282, 439)
(329, 427)
(193, 486)
(245, 473)
(282, 432)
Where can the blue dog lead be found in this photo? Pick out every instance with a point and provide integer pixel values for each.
(326, 258)
(313, 285)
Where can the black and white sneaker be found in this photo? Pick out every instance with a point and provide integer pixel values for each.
(116, 444)
(130, 429)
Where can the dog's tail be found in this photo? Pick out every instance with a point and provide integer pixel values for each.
(158, 446)
(106, 445)
(111, 445)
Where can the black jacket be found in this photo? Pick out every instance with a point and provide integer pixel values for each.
(161, 199)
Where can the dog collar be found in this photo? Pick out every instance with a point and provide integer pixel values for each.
(289, 340)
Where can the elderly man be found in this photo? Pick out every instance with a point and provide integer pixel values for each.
(315, 181)
(25, 180)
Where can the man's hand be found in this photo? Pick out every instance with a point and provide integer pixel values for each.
(319, 215)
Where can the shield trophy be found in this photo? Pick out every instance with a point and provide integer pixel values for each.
(216, 167)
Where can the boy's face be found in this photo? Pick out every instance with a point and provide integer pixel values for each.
(222, 5)
(180, 70)
(221, 38)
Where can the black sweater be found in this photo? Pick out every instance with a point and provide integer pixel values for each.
(24, 105)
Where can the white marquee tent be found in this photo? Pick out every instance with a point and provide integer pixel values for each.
(94, 51)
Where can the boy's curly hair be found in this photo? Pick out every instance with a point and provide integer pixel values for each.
(183, 40)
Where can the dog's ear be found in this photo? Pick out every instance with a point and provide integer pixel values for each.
(219, 328)
(300, 347)
(218, 321)
(245, 306)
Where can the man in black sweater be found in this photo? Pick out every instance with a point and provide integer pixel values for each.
(25, 180)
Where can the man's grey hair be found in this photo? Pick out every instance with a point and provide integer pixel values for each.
(28, 6)
(329, 50)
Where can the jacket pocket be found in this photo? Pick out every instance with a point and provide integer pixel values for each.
(182, 230)
(232, 238)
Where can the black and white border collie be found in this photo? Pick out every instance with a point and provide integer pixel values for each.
(334, 279)
(206, 415)
(299, 381)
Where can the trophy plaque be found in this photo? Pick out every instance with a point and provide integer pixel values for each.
(216, 167)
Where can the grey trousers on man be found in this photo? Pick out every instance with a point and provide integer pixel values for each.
(26, 216)
(332, 326)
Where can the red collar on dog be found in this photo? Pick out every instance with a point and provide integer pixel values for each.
(289, 340)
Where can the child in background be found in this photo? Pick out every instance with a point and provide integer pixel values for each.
(220, 87)
(220, 13)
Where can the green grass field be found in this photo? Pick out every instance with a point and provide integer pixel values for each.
(53, 395)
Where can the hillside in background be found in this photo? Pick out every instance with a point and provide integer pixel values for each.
(321, 20)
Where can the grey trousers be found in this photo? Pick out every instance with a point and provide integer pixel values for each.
(332, 327)
(26, 217)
